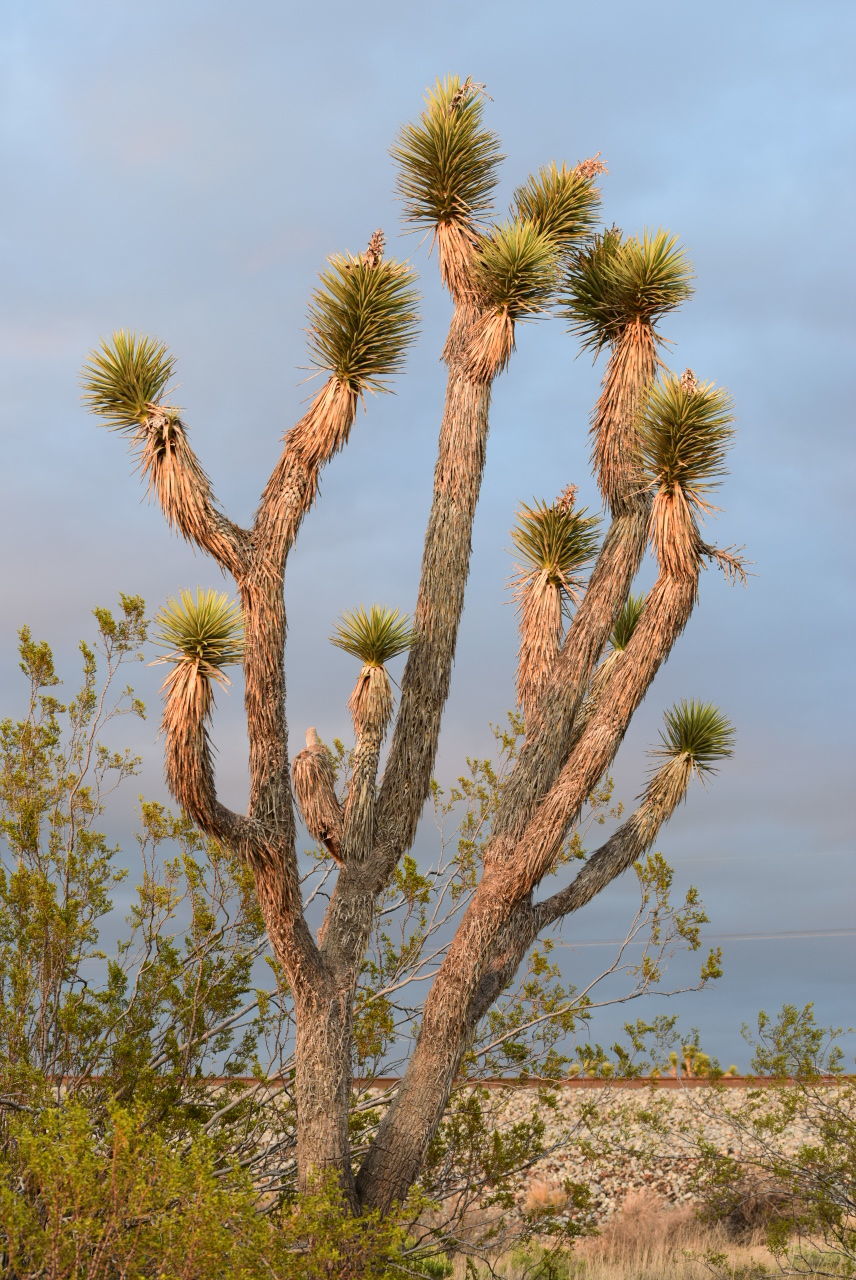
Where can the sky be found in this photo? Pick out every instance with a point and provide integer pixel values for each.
(184, 170)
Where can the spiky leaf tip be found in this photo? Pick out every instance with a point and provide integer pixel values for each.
(616, 281)
(697, 732)
(684, 435)
(559, 202)
(447, 161)
(362, 318)
(516, 268)
(556, 541)
(206, 628)
(375, 636)
(124, 377)
(625, 623)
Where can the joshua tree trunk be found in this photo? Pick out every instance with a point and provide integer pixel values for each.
(658, 448)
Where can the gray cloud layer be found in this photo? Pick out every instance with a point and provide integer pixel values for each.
(184, 172)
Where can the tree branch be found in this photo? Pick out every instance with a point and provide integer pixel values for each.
(445, 569)
(184, 492)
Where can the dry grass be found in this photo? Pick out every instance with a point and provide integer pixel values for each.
(646, 1239)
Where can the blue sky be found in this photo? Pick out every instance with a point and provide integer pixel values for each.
(184, 170)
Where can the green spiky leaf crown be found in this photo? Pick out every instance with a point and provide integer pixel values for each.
(516, 268)
(699, 732)
(207, 629)
(557, 541)
(559, 202)
(685, 433)
(625, 623)
(124, 377)
(447, 160)
(375, 636)
(615, 281)
(362, 319)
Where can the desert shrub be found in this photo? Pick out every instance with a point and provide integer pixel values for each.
(747, 1203)
(77, 1200)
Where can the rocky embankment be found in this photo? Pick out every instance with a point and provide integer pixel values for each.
(617, 1138)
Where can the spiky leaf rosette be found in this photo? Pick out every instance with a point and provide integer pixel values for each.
(625, 623)
(516, 268)
(375, 637)
(205, 632)
(514, 273)
(559, 202)
(696, 737)
(447, 170)
(363, 317)
(684, 435)
(125, 377)
(699, 732)
(614, 282)
(555, 543)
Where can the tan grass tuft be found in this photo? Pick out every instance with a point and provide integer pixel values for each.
(544, 1197)
(315, 789)
(645, 1223)
(490, 346)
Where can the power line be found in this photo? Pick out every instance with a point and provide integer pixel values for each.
(724, 937)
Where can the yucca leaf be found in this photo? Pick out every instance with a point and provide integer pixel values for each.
(625, 623)
(561, 203)
(124, 377)
(447, 161)
(516, 268)
(614, 281)
(559, 542)
(207, 629)
(698, 732)
(684, 435)
(374, 636)
(362, 319)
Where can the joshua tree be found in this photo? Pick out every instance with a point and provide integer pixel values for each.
(658, 448)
